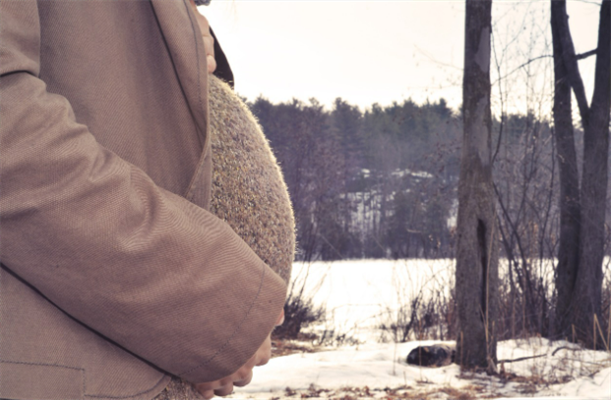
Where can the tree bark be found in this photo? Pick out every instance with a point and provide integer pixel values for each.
(579, 275)
(569, 58)
(568, 253)
(477, 248)
(588, 288)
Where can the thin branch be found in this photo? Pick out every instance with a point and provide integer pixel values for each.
(498, 67)
(521, 359)
(538, 355)
(577, 57)
(522, 66)
(434, 60)
(514, 229)
(596, 3)
(586, 54)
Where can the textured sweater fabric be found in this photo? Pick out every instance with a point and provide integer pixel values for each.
(179, 389)
(248, 190)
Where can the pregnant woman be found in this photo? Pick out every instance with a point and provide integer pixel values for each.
(248, 192)
(146, 231)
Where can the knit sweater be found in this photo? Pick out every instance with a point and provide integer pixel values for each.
(248, 190)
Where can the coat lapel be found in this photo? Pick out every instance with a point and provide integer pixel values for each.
(186, 48)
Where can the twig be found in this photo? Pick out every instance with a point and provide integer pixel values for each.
(602, 336)
(498, 67)
(522, 66)
(538, 355)
(564, 348)
(609, 328)
(522, 358)
(577, 57)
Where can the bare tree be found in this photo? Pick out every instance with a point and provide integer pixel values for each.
(477, 249)
(582, 241)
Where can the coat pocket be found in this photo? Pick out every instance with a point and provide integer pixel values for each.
(29, 381)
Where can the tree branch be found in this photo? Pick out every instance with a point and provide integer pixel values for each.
(570, 59)
(589, 2)
(586, 54)
(538, 355)
(522, 66)
(578, 57)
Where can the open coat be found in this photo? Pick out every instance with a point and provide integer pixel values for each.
(113, 273)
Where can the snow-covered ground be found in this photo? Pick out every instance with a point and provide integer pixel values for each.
(359, 295)
(381, 366)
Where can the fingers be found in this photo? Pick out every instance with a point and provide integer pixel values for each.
(245, 380)
(241, 377)
(207, 394)
(225, 390)
(264, 353)
(208, 41)
(224, 387)
(263, 360)
(280, 319)
(211, 62)
(204, 27)
(206, 389)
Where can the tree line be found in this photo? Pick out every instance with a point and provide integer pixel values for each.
(379, 183)
(383, 183)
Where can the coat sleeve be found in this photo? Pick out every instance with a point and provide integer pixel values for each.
(141, 266)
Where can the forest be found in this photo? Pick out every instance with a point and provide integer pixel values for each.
(382, 183)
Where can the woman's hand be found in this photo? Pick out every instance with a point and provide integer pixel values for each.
(243, 376)
(204, 27)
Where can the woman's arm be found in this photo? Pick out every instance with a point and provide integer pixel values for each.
(139, 265)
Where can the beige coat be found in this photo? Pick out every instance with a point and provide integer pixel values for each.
(113, 273)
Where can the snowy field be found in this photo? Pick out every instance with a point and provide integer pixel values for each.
(360, 295)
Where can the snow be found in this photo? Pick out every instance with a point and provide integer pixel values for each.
(418, 174)
(359, 295)
(598, 386)
(380, 366)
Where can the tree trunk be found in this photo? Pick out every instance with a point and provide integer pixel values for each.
(588, 288)
(579, 275)
(568, 253)
(477, 249)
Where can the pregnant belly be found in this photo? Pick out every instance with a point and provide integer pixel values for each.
(248, 190)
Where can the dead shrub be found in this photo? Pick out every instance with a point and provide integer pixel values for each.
(299, 312)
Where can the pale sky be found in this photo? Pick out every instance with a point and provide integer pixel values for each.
(385, 51)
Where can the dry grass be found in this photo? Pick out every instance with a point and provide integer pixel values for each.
(403, 392)
(303, 344)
